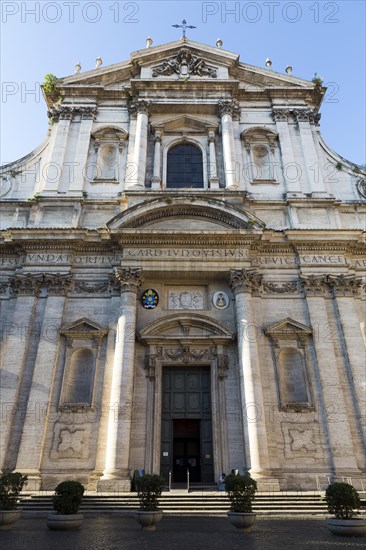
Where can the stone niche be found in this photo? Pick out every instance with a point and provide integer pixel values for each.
(290, 342)
(83, 341)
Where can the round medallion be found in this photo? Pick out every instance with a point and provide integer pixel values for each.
(150, 298)
(220, 300)
(361, 186)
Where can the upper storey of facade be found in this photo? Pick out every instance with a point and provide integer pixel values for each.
(184, 119)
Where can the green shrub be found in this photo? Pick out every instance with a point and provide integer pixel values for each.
(11, 486)
(342, 500)
(149, 488)
(241, 492)
(68, 496)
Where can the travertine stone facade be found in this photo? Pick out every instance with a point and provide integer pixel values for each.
(214, 324)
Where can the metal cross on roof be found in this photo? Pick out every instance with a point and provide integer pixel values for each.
(184, 26)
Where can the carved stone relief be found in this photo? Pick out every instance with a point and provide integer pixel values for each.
(301, 440)
(70, 441)
(185, 299)
(184, 65)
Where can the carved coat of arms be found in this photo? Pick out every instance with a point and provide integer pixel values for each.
(184, 65)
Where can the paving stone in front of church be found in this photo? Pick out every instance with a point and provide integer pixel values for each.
(176, 533)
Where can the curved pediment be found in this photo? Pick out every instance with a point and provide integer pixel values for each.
(182, 213)
(186, 326)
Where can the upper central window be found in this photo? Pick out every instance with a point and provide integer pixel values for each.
(185, 166)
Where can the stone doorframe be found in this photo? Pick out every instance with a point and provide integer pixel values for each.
(186, 339)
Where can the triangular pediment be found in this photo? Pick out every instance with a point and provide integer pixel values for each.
(287, 328)
(184, 123)
(83, 327)
(201, 58)
(182, 213)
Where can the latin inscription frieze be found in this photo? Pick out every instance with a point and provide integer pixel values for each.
(308, 259)
(191, 253)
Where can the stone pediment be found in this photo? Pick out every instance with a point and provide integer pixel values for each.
(182, 213)
(186, 326)
(182, 59)
(288, 329)
(184, 123)
(83, 328)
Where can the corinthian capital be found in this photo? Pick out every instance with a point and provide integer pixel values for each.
(228, 108)
(139, 106)
(129, 278)
(280, 115)
(245, 280)
(345, 285)
(27, 284)
(57, 284)
(314, 285)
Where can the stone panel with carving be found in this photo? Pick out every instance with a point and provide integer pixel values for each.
(302, 440)
(70, 441)
(192, 298)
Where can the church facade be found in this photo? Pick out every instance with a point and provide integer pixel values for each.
(182, 282)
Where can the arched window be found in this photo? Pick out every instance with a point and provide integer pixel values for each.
(80, 377)
(185, 166)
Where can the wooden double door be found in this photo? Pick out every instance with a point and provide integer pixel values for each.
(186, 434)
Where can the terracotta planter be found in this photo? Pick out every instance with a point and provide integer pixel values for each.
(148, 520)
(7, 517)
(347, 527)
(242, 520)
(64, 522)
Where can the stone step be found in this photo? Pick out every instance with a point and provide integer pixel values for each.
(187, 504)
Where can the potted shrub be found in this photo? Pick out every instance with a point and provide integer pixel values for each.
(149, 488)
(66, 503)
(241, 493)
(343, 501)
(11, 486)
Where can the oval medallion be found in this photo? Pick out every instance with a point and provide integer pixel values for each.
(150, 298)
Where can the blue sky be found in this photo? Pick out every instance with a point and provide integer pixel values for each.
(52, 36)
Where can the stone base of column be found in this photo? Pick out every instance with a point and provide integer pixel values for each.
(233, 187)
(115, 485)
(295, 195)
(34, 482)
(155, 183)
(265, 479)
(321, 195)
(214, 183)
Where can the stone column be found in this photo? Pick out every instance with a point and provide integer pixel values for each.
(52, 171)
(346, 289)
(79, 174)
(156, 179)
(312, 164)
(214, 180)
(243, 283)
(291, 169)
(116, 474)
(227, 110)
(331, 404)
(19, 336)
(222, 365)
(34, 423)
(136, 175)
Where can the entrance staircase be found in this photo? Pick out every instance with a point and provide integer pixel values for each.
(208, 502)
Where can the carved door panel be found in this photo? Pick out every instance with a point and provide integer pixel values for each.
(186, 434)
